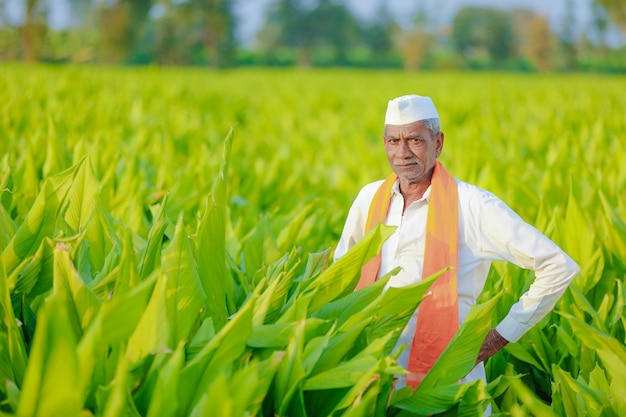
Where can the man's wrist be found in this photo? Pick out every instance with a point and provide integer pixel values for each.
(492, 344)
(495, 339)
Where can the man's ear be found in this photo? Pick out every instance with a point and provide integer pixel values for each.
(439, 138)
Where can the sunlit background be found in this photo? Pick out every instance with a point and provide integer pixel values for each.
(535, 35)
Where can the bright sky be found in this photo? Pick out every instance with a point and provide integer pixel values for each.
(251, 13)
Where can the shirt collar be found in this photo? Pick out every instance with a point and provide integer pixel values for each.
(396, 190)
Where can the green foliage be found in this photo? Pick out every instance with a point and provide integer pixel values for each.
(486, 31)
(152, 262)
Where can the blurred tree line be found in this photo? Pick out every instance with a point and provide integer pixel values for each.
(310, 33)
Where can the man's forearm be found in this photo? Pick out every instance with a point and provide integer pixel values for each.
(492, 344)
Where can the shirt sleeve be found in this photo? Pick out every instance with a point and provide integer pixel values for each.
(354, 228)
(505, 236)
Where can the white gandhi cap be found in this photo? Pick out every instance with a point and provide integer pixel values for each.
(410, 108)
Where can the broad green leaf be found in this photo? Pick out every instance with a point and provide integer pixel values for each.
(542, 345)
(348, 373)
(342, 376)
(218, 355)
(128, 275)
(289, 234)
(275, 335)
(579, 242)
(296, 307)
(83, 303)
(242, 393)
(474, 402)
(393, 310)
(341, 277)
(520, 352)
(163, 402)
(278, 277)
(80, 202)
(565, 341)
(365, 406)
(582, 303)
(12, 394)
(316, 263)
(151, 255)
(185, 296)
(375, 378)
(38, 224)
(598, 381)
(314, 349)
(36, 276)
(154, 330)
(396, 299)
(389, 311)
(102, 238)
(259, 247)
(14, 346)
(500, 384)
(339, 346)
(345, 308)
(116, 399)
(366, 381)
(257, 376)
(104, 283)
(612, 353)
(290, 374)
(437, 399)
(121, 315)
(26, 180)
(54, 150)
(616, 229)
(83, 307)
(52, 383)
(6, 370)
(7, 227)
(278, 335)
(128, 206)
(203, 335)
(618, 306)
(459, 357)
(530, 400)
(225, 406)
(578, 397)
(211, 248)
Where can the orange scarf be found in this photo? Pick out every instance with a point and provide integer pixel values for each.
(438, 316)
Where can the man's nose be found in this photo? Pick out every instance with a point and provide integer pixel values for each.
(403, 149)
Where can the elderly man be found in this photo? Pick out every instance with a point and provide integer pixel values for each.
(441, 222)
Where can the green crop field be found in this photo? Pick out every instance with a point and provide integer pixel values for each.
(166, 238)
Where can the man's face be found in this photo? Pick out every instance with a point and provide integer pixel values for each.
(412, 151)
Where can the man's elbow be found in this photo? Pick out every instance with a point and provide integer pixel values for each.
(569, 270)
(572, 268)
(561, 264)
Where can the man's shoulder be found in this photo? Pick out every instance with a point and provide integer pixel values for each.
(366, 194)
(372, 187)
(472, 194)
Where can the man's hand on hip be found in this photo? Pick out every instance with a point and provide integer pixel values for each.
(491, 345)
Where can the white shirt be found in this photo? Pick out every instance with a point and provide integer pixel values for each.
(488, 230)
